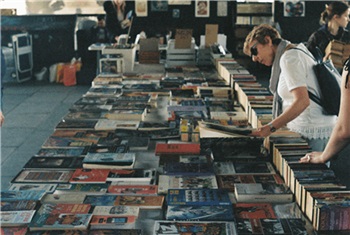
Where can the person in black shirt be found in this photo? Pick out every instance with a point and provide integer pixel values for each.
(334, 18)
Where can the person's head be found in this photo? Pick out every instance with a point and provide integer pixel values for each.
(337, 12)
(261, 44)
(101, 21)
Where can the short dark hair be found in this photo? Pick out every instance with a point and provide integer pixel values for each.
(100, 17)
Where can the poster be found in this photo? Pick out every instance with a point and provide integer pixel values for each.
(202, 8)
(294, 8)
(141, 8)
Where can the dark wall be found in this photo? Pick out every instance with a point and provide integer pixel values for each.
(52, 35)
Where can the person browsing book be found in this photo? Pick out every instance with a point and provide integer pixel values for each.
(118, 18)
(334, 20)
(292, 76)
(340, 137)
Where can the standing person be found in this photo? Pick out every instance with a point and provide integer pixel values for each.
(340, 137)
(118, 18)
(99, 32)
(292, 76)
(334, 19)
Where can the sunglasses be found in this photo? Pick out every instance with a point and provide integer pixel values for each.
(254, 50)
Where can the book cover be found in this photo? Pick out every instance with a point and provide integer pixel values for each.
(112, 222)
(106, 124)
(156, 125)
(116, 231)
(254, 210)
(232, 118)
(76, 124)
(270, 226)
(21, 230)
(141, 175)
(231, 130)
(54, 162)
(231, 168)
(263, 192)
(185, 182)
(90, 188)
(205, 197)
(49, 188)
(193, 227)
(9, 195)
(67, 142)
(72, 198)
(109, 160)
(141, 201)
(177, 148)
(18, 205)
(121, 148)
(137, 143)
(199, 213)
(129, 114)
(100, 200)
(16, 218)
(133, 189)
(90, 176)
(181, 168)
(62, 152)
(67, 208)
(63, 221)
(116, 210)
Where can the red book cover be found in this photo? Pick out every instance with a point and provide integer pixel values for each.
(90, 176)
(71, 208)
(177, 148)
(254, 211)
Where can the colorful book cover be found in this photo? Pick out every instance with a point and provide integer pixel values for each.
(22, 230)
(16, 218)
(10, 195)
(177, 148)
(133, 189)
(185, 227)
(144, 202)
(109, 160)
(18, 205)
(43, 176)
(67, 208)
(116, 210)
(70, 198)
(67, 142)
(254, 210)
(62, 152)
(142, 175)
(63, 221)
(112, 222)
(200, 213)
(185, 182)
(230, 168)
(49, 188)
(100, 200)
(90, 176)
(90, 188)
(205, 197)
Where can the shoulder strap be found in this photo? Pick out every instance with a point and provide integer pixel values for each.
(312, 96)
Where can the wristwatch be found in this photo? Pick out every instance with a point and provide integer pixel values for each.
(272, 128)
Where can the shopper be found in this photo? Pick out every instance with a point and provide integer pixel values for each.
(340, 137)
(118, 18)
(334, 19)
(99, 32)
(292, 76)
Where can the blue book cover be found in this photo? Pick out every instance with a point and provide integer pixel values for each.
(204, 197)
(201, 213)
(181, 168)
(11, 195)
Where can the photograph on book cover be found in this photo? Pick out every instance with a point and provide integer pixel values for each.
(141, 8)
(202, 8)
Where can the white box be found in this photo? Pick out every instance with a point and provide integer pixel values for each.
(112, 65)
(128, 55)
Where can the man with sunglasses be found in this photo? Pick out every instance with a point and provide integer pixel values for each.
(292, 76)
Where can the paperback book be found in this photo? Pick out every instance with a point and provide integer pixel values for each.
(181, 168)
(121, 210)
(16, 218)
(100, 200)
(89, 176)
(43, 176)
(109, 160)
(143, 202)
(141, 175)
(205, 197)
(62, 152)
(48, 188)
(18, 205)
(186, 227)
(199, 213)
(133, 189)
(54, 162)
(112, 222)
